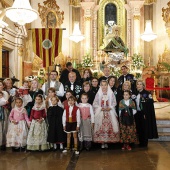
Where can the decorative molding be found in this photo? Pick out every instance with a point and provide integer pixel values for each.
(4, 4)
(50, 14)
(20, 51)
(1, 42)
(166, 17)
(88, 18)
(148, 2)
(75, 3)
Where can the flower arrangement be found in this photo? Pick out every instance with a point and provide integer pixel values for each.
(116, 71)
(87, 61)
(137, 61)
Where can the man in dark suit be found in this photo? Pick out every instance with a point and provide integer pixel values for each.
(73, 85)
(64, 74)
(106, 72)
(127, 77)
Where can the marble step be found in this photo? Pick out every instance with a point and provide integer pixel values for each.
(163, 122)
(163, 136)
(163, 128)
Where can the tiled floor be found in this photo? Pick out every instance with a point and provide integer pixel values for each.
(156, 157)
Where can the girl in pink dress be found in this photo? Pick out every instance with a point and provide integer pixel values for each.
(37, 136)
(106, 129)
(18, 127)
(87, 122)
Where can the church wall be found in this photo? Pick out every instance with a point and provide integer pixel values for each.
(160, 29)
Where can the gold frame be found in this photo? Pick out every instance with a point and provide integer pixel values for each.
(50, 6)
(121, 15)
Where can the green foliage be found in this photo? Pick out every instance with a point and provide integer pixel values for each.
(166, 66)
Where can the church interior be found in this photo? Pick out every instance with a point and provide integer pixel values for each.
(91, 34)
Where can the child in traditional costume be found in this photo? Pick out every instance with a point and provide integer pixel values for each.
(106, 128)
(55, 129)
(23, 92)
(71, 123)
(51, 93)
(87, 122)
(18, 127)
(37, 136)
(127, 109)
(67, 95)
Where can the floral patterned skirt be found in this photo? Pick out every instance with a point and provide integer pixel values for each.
(37, 136)
(127, 133)
(106, 134)
(17, 134)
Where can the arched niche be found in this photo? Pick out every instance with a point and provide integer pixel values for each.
(121, 18)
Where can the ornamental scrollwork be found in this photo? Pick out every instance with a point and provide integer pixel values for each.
(50, 14)
(166, 14)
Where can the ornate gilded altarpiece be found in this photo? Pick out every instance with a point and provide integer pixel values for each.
(121, 16)
(50, 14)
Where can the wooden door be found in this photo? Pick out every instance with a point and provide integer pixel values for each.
(5, 64)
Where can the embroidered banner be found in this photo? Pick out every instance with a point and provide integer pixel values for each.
(47, 43)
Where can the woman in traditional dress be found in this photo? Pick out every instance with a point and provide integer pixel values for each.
(34, 91)
(145, 116)
(37, 136)
(106, 129)
(4, 112)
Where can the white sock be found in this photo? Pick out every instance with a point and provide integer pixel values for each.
(55, 146)
(61, 146)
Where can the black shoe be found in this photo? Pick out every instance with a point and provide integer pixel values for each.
(3, 148)
(14, 149)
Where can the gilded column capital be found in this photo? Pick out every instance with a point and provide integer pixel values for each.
(148, 2)
(136, 17)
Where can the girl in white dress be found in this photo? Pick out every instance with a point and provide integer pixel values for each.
(106, 129)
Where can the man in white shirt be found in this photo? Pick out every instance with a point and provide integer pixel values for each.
(54, 83)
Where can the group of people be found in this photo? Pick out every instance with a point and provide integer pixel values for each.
(74, 111)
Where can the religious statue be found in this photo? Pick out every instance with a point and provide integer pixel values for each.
(116, 44)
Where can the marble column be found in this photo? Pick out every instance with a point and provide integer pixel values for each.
(94, 31)
(20, 62)
(88, 14)
(133, 17)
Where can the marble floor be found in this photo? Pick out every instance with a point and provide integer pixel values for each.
(156, 157)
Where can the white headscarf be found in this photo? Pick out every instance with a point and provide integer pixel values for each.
(99, 114)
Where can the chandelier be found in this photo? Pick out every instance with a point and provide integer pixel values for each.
(21, 12)
(76, 36)
(148, 35)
